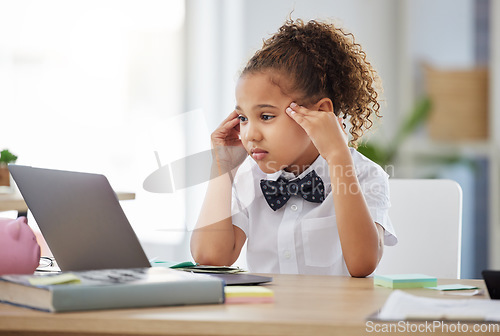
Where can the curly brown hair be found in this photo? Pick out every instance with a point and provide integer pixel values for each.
(320, 60)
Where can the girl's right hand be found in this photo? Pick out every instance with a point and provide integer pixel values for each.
(228, 149)
(227, 134)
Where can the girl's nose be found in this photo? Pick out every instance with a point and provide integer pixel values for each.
(252, 132)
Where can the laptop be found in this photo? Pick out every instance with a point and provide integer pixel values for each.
(83, 222)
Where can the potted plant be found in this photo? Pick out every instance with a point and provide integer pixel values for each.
(6, 157)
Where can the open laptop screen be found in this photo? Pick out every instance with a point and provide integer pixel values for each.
(81, 219)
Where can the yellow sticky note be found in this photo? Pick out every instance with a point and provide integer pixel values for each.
(64, 278)
(248, 291)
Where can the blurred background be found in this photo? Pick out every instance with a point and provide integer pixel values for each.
(122, 88)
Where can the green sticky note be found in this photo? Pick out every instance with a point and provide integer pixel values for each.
(64, 278)
(404, 280)
(453, 287)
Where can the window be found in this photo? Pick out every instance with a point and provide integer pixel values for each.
(84, 85)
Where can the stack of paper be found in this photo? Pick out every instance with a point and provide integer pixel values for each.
(248, 294)
(405, 280)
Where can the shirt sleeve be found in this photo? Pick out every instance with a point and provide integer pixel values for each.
(374, 183)
(239, 213)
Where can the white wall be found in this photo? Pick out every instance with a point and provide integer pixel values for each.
(438, 33)
(442, 32)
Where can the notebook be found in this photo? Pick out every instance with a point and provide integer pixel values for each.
(83, 222)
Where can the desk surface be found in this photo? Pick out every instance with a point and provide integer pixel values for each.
(304, 305)
(14, 201)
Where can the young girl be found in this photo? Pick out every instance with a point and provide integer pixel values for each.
(304, 200)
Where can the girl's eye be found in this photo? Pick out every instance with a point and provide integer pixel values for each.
(242, 118)
(267, 117)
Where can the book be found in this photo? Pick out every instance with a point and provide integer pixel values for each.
(110, 289)
(248, 294)
(405, 280)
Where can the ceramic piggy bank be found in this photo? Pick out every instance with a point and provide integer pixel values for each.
(19, 250)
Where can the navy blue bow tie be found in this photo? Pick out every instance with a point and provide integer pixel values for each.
(278, 192)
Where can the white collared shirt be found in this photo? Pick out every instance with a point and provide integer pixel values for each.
(302, 237)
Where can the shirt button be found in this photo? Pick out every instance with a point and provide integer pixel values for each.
(294, 207)
(287, 254)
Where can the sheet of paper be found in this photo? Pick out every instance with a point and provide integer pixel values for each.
(464, 293)
(403, 306)
(452, 287)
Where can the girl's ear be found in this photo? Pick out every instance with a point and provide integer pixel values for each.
(324, 105)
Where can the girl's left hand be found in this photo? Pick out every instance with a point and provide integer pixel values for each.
(324, 128)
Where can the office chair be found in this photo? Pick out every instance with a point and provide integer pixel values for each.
(427, 218)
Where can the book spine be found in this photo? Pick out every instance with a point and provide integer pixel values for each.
(74, 298)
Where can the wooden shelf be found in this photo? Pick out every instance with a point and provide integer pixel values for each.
(15, 201)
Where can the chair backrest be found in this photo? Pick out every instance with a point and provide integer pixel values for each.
(427, 217)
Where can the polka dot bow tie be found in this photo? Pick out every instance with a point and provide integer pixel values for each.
(278, 192)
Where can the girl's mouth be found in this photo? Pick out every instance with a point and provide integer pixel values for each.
(259, 154)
